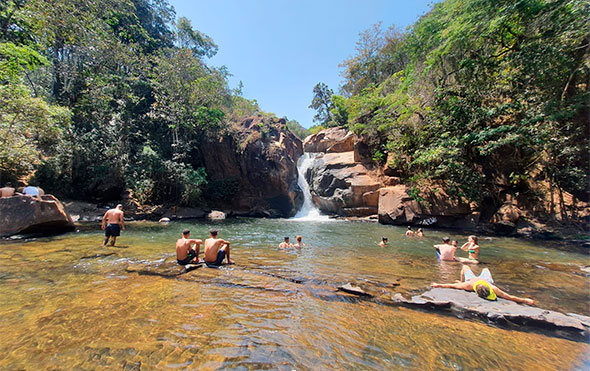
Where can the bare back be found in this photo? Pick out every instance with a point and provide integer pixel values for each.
(183, 245)
(114, 216)
(447, 252)
(212, 246)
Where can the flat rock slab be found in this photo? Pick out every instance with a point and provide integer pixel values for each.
(501, 312)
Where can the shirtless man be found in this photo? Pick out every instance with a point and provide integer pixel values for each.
(185, 253)
(7, 190)
(216, 249)
(383, 242)
(409, 232)
(420, 233)
(114, 218)
(299, 244)
(446, 250)
(285, 244)
(483, 285)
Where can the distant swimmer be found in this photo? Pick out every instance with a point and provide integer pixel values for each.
(112, 224)
(446, 251)
(483, 285)
(216, 249)
(420, 233)
(383, 242)
(299, 244)
(472, 248)
(187, 249)
(409, 232)
(285, 244)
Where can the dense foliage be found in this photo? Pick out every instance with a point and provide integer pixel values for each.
(101, 95)
(482, 96)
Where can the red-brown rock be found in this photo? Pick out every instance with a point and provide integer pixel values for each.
(332, 140)
(26, 214)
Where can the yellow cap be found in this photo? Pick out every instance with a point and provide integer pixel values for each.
(492, 295)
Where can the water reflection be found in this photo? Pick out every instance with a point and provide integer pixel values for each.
(69, 303)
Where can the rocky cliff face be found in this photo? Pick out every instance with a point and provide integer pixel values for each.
(254, 171)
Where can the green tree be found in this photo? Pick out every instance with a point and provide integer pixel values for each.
(322, 103)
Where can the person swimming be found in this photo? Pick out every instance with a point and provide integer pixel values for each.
(299, 244)
(383, 242)
(409, 232)
(482, 285)
(285, 244)
(420, 233)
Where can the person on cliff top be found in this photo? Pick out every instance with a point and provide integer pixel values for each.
(420, 233)
(409, 232)
(7, 191)
(299, 244)
(187, 249)
(112, 224)
(482, 285)
(383, 242)
(446, 251)
(285, 244)
(215, 250)
(473, 249)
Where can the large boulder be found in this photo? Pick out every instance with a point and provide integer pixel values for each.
(254, 171)
(341, 186)
(397, 207)
(26, 214)
(330, 140)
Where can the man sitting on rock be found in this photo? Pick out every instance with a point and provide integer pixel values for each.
(446, 251)
(185, 253)
(483, 285)
(215, 250)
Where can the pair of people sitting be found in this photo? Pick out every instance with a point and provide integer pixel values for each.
(446, 250)
(216, 249)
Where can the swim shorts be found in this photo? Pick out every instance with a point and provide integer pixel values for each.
(189, 257)
(112, 230)
(484, 275)
(219, 260)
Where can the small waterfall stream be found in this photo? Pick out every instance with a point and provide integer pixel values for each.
(308, 211)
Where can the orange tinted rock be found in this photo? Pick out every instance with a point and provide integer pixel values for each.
(26, 214)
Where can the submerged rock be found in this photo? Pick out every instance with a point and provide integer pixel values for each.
(26, 214)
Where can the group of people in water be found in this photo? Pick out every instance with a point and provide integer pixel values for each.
(217, 249)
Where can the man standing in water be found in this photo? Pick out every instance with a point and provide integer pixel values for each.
(483, 285)
(185, 254)
(114, 218)
(299, 244)
(446, 251)
(409, 232)
(216, 249)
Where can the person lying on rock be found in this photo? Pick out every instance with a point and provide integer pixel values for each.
(112, 224)
(299, 244)
(446, 251)
(483, 285)
(285, 244)
(383, 242)
(216, 249)
(187, 249)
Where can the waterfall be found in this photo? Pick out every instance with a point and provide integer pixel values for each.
(308, 211)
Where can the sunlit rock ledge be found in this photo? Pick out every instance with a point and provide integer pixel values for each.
(26, 215)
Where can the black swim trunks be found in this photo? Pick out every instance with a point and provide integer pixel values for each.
(189, 258)
(219, 260)
(112, 230)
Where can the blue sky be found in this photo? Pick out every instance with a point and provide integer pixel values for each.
(280, 49)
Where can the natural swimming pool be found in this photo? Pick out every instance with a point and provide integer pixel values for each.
(65, 303)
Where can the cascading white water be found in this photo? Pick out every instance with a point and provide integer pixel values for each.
(308, 211)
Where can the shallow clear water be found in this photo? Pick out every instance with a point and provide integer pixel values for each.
(65, 303)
